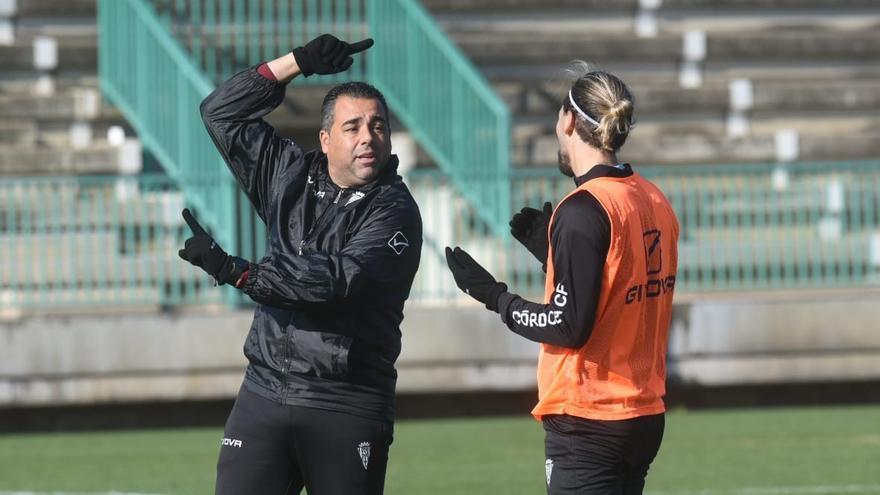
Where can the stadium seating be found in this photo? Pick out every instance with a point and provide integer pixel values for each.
(67, 236)
(51, 113)
(812, 66)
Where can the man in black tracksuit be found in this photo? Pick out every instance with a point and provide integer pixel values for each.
(316, 407)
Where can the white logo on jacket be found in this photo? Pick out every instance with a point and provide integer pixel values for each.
(354, 197)
(398, 242)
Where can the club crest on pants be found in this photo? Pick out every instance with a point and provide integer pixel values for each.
(548, 469)
(364, 451)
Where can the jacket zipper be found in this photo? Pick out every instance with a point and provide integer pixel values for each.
(285, 366)
(305, 238)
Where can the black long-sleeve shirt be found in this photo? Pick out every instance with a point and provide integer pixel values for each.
(580, 236)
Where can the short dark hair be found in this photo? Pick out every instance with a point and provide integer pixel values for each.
(354, 89)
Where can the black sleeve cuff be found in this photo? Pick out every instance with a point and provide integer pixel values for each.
(505, 299)
(492, 299)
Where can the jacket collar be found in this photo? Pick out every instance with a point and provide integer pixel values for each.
(386, 176)
(604, 170)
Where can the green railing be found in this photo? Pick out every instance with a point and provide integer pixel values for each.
(146, 73)
(95, 241)
(102, 241)
(224, 36)
(430, 85)
(445, 103)
(772, 227)
(743, 227)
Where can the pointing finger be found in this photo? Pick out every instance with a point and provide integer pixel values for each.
(192, 222)
(451, 261)
(360, 45)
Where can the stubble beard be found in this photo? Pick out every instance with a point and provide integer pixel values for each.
(564, 164)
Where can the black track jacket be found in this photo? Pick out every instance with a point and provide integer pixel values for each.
(339, 266)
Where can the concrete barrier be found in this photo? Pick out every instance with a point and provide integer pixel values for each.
(196, 355)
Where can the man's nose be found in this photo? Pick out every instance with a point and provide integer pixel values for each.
(365, 135)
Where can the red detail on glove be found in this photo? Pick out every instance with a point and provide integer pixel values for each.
(242, 279)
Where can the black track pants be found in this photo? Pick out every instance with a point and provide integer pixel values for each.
(590, 457)
(270, 448)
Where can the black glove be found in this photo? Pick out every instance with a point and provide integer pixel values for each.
(203, 252)
(472, 278)
(529, 227)
(327, 54)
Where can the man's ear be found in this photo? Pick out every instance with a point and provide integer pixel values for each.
(324, 137)
(569, 123)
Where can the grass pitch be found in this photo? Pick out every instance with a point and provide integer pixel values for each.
(784, 451)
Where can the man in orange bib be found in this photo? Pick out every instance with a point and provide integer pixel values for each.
(609, 250)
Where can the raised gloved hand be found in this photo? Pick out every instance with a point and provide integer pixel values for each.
(203, 252)
(473, 279)
(327, 54)
(529, 227)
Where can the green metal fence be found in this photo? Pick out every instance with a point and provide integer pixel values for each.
(445, 103)
(95, 241)
(772, 227)
(430, 85)
(147, 74)
(743, 227)
(100, 241)
(224, 36)
(158, 80)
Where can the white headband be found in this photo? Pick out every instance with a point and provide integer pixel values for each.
(581, 112)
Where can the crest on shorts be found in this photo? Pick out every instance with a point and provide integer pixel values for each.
(548, 469)
(364, 451)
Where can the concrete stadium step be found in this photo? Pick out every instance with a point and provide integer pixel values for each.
(67, 104)
(472, 6)
(441, 7)
(31, 133)
(23, 82)
(55, 8)
(789, 47)
(834, 5)
(705, 143)
(20, 56)
(612, 23)
(66, 32)
(101, 157)
(771, 97)
(18, 133)
(697, 148)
